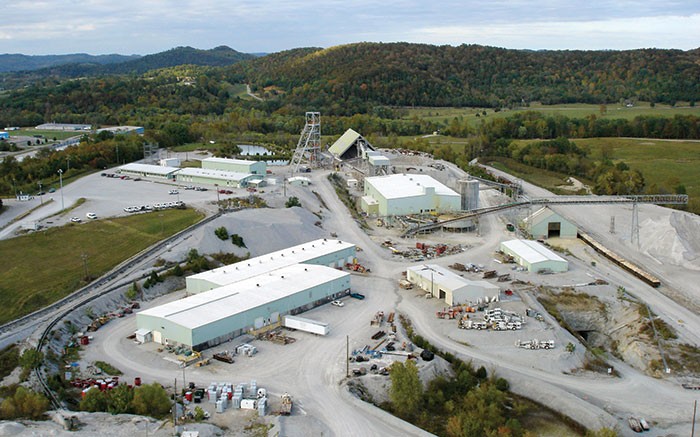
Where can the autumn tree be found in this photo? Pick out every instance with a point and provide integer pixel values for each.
(406, 388)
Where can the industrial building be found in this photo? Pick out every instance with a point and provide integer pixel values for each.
(63, 126)
(534, 256)
(323, 252)
(378, 163)
(148, 171)
(170, 162)
(350, 145)
(235, 165)
(300, 181)
(452, 288)
(212, 317)
(214, 177)
(546, 223)
(123, 130)
(402, 194)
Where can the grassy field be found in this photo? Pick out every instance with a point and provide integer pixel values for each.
(42, 267)
(49, 135)
(665, 164)
(570, 110)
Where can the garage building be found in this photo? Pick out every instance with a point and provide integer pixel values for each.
(148, 171)
(546, 223)
(323, 252)
(402, 194)
(235, 165)
(214, 177)
(212, 317)
(446, 285)
(534, 256)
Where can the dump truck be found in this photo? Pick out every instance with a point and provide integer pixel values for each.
(286, 405)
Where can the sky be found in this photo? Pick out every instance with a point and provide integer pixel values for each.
(38, 27)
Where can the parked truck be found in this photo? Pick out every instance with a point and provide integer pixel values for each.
(286, 405)
(306, 325)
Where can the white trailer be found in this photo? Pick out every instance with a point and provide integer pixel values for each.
(306, 325)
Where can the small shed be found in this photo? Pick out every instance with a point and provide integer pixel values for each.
(546, 223)
(534, 256)
(352, 183)
(299, 181)
(144, 335)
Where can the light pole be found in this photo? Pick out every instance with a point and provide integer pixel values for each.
(41, 193)
(60, 181)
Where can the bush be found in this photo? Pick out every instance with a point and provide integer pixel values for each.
(151, 400)
(237, 240)
(31, 359)
(222, 233)
(293, 201)
(25, 404)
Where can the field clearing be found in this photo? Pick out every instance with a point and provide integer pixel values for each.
(42, 267)
(581, 110)
(665, 164)
(47, 134)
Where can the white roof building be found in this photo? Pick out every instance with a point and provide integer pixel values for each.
(534, 256)
(148, 170)
(402, 194)
(214, 316)
(213, 177)
(326, 252)
(452, 288)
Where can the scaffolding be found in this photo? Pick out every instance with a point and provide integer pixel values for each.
(309, 145)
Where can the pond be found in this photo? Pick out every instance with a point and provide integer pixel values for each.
(251, 150)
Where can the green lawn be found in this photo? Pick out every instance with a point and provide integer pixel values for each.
(580, 110)
(49, 135)
(664, 163)
(42, 267)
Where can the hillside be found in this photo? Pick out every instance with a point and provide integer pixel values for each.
(10, 62)
(365, 74)
(79, 67)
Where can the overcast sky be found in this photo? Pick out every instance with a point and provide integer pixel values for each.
(150, 26)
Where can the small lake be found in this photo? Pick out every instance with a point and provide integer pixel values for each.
(250, 150)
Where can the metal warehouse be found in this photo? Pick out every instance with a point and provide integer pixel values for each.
(402, 194)
(213, 177)
(546, 223)
(212, 317)
(534, 256)
(444, 284)
(235, 165)
(323, 252)
(148, 170)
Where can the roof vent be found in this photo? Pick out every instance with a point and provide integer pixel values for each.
(248, 264)
(305, 269)
(282, 276)
(257, 285)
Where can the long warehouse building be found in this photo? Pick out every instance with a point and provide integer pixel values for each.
(322, 252)
(534, 256)
(234, 299)
(212, 317)
(443, 284)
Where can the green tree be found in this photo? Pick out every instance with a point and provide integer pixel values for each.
(24, 403)
(198, 414)
(151, 400)
(292, 201)
(222, 233)
(406, 388)
(31, 359)
(119, 399)
(94, 401)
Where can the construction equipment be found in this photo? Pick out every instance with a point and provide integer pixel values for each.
(489, 274)
(535, 344)
(405, 284)
(504, 278)
(224, 357)
(532, 313)
(286, 405)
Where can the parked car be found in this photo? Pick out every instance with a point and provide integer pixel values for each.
(75, 219)
(52, 190)
(357, 296)
(91, 215)
(337, 303)
(173, 192)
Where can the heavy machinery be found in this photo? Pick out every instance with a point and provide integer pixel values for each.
(535, 344)
(286, 405)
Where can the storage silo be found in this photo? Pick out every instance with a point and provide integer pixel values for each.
(469, 192)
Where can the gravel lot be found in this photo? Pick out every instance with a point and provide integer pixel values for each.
(313, 368)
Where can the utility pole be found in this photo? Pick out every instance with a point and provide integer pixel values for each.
(695, 409)
(60, 179)
(84, 257)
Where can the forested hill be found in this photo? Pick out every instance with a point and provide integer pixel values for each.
(18, 62)
(359, 75)
(217, 57)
